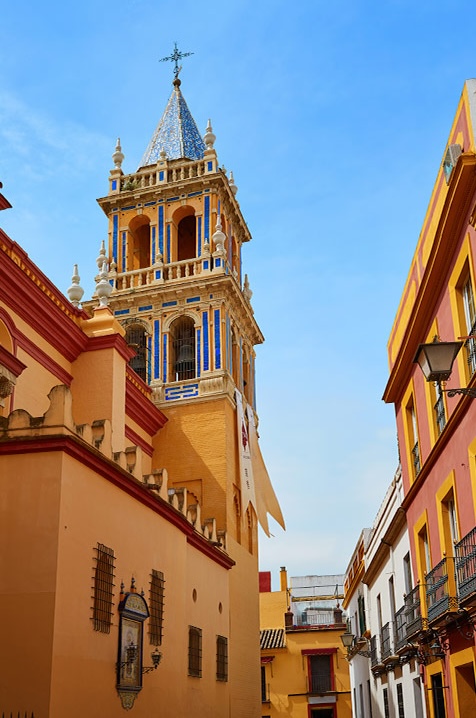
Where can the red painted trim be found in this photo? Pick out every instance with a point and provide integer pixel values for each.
(4, 203)
(266, 659)
(140, 408)
(138, 441)
(316, 706)
(10, 362)
(318, 651)
(94, 461)
(43, 358)
(46, 310)
(111, 341)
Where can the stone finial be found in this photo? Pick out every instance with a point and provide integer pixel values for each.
(247, 293)
(75, 291)
(118, 155)
(232, 184)
(209, 138)
(102, 256)
(103, 288)
(219, 237)
(163, 154)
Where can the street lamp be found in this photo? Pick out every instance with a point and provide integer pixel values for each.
(348, 641)
(436, 362)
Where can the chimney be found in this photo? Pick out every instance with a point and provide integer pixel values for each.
(283, 579)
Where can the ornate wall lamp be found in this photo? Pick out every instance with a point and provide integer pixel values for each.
(436, 362)
(349, 642)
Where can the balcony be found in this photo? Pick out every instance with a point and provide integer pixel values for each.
(400, 628)
(414, 620)
(385, 642)
(441, 590)
(465, 566)
(320, 682)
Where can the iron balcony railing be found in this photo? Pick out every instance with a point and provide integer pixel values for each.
(470, 347)
(400, 628)
(373, 651)
(441, 589)
(465, 563)
(314, 618)
(385, 641)
(416, 458)
(320, 683)
(440, 414)
(413, 617)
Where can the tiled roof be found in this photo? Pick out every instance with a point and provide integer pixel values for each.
(272, 638)
(176, 134)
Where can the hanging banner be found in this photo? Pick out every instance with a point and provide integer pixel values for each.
(246, 469)
(266, 501)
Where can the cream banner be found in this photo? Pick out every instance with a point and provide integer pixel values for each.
(248, 494)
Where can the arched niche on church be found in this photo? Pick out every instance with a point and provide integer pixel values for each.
(184, 234)
(139, 243)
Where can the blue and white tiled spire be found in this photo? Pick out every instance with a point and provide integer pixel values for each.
(176, 134)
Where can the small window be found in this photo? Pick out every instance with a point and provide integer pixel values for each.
(103, 587)
(386, 709)
(156, 607)
(222, 658)
(194, 651)
(320, 673)
(401, 706)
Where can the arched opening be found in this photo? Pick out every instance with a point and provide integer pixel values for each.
(246, 375)
(186, 242)
(235, 359)
(182, 340)
(136, 338)
(139, 247)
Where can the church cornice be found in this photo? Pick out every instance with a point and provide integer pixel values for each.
(47, 311)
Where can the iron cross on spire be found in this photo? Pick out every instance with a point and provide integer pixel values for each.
(175, 57)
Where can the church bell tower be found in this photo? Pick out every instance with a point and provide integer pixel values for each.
(174, 261)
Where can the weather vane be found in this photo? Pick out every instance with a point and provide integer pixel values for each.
(175, 57)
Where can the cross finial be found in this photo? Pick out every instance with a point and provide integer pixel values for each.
(175, 57)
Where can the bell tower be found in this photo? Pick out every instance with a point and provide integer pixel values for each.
(176, 234)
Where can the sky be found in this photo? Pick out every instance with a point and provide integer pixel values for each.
(334, 119)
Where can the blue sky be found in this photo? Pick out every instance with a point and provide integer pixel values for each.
(334, 119)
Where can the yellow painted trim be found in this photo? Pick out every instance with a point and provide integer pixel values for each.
(419, 525)
(454, 284)
(410, 395)
(472, 470)
(430, 393)
(432, 670)
(461, 658)
(448, 484)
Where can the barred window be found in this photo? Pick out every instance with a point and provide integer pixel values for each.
(194, 651)
(156, 607)
(222, 658)
(103, 588)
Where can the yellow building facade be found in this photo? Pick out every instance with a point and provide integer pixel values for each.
(130, 472)
(304, 671)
